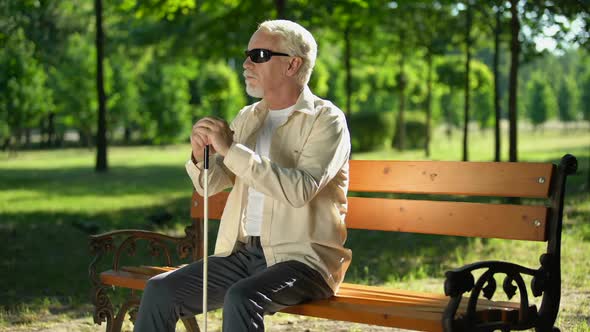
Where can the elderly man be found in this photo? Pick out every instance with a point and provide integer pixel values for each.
(281, 237)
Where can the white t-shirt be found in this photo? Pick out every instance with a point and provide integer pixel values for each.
(253, 214)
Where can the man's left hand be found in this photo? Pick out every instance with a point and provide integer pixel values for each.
(218, 133)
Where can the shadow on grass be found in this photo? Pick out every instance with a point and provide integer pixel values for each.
(84, 181)
(46, 255)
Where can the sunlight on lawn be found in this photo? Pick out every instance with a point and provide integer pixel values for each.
(51, 200)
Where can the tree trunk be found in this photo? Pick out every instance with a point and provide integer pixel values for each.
(428, 104)
(127, 135)
(28, 135)
(468, 42)
(101, 135)
(280, 7)
(513, 80)
(51, 139)
(497, 97)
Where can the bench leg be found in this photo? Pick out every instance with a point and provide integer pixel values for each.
(132, 302)
(103, 309)
(190, 323)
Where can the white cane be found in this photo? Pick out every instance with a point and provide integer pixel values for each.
(205, 234)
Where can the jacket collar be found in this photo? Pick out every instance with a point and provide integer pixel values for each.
(304, 104)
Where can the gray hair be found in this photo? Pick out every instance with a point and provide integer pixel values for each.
(296, 41)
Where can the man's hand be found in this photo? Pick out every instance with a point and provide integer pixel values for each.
(198, 142)
(212, 131)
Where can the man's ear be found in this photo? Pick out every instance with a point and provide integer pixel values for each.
(294, 65)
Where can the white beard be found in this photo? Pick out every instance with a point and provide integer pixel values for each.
(255, 92)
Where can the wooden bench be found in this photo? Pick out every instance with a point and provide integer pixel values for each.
(520, 201)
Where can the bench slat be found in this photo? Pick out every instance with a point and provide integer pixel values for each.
(503, 179)
(216, 205)
(124, 279)
(353, 312)
(520, 222)
(356, 303)
(363, 292)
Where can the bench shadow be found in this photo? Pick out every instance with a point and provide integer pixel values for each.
(45, 254)
(77, 181)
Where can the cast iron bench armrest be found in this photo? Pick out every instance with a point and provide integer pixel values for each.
(461, 280)
(102, 244)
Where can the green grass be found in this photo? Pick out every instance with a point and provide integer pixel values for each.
(50, 199)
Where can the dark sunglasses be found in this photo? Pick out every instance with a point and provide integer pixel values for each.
(260, 55)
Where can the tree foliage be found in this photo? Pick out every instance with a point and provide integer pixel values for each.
(585, 97)
(165, 100)
(220, 91)
(541, 100)
(567, 99)
(24, 98)
(168, 62)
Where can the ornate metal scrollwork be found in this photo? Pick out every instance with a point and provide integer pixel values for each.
(188, 245)
(157, 248)
(103, 308)
(461, 280)
(158, 245)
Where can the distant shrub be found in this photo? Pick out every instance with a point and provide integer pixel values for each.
(370, 130)
(415, 134)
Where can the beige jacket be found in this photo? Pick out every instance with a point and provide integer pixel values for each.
(305, 182)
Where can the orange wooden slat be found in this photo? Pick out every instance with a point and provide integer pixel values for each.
(503, 179)
(149, 270)
(124, 279)
(353, 312)
(389, 299)
(354, 303)
(376, 292)
(520, 222)
(216, 205)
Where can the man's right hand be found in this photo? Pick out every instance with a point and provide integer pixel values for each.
(198, 142)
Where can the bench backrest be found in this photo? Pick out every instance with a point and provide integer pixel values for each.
(457, 181)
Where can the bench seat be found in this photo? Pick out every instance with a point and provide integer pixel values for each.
(364, 304)
(514, 201)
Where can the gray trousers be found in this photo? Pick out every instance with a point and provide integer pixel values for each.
(241, 284)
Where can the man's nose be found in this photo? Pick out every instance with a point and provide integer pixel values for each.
(247, 63)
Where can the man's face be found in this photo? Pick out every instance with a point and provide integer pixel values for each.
(263, 78)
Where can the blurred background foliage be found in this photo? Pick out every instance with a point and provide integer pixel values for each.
(409, 75)
(396, 68)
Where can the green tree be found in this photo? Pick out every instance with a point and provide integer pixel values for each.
(101, 132)
(567, 99)
(494, 14)
(450, 103)
(124, 101)
(75, 88)
(537, 15)
(320, 78)
(48, 25)
(219, 90)
(541, 100)
(585, 97)
(450, 73)
(372, 90)
(165, 98)
(481, 84)
(24, 99)
(434, 27)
